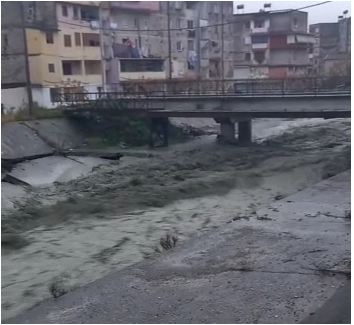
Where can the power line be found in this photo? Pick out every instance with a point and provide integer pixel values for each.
(186, 28)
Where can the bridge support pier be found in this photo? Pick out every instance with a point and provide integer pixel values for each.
(158, 132)
(227, 131)
(245, 132)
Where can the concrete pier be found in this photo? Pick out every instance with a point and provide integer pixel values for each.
(227, 131)
(245, 132)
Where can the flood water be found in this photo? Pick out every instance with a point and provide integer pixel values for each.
(82, 249)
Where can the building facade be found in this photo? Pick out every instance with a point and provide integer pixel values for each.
(158, 40)
(271, 44)
(52, 48)
(331, 53)
(61, 41)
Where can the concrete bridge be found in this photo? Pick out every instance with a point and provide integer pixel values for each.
(227, 105)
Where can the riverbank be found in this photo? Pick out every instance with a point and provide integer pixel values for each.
(279, 264)
(115, 216)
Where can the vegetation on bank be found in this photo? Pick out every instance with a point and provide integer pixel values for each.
(123, 130)
(36, 114)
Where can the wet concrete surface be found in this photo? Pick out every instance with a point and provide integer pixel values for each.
(280, 265)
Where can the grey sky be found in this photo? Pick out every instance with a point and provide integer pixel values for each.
(328, 12)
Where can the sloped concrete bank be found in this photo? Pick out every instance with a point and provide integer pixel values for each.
(33, 139)
(279, 265)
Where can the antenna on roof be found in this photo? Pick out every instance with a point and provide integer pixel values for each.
(240, 7)
(340, 17)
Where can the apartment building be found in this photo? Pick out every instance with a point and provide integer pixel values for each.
(134, 46)
(271, 44)
(158, 40)
(62, 45)
(331, 52)
(59, 47)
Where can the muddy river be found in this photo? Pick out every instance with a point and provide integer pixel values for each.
(78, 229)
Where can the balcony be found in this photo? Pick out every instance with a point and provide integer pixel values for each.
(142, 69)
(259, 30)
(259, 46)
(142, 6)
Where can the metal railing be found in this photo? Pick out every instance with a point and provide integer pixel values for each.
(135, 94)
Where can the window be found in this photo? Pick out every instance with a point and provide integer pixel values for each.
(64, 10)
(54, 94)
(179, 46)
(89, 13)
(295, 22)
(190, 24)
(179, 23)
(71, 67)
(190, 45)
(90, 39)
(77, 39)
(67, 40)
(247, 56)
(259, 23)
(136, 22)
(259, 39)
(247, 25)
(75, 12)
(191, 4)
(216, 30)
(49, 37)
(259, 56)
(4, 43)
(51, 67)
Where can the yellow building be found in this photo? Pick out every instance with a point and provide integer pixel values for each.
(67, 59)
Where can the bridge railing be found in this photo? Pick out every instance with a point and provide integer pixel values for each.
(135, 94)
(238, 86)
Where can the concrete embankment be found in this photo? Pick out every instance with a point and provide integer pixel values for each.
(33, 139)
(279, 265)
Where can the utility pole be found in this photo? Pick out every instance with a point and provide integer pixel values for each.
(103, 60)
(222, 46)
(198, 36)
(169, 41)
(347, 46)
(27, 69)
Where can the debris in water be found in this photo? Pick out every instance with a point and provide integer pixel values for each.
(264, 218)
(168, 242)
(240, 217)
(106, 253)
(57, 288)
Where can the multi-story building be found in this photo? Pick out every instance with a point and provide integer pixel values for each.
(18, 21)
(331, 52)
(61, 41)
(271, 44)
(59, 47)
(157, 40)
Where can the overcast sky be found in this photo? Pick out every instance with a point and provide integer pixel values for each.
(324, 13)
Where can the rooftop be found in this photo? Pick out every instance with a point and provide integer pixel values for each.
(271, 12)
